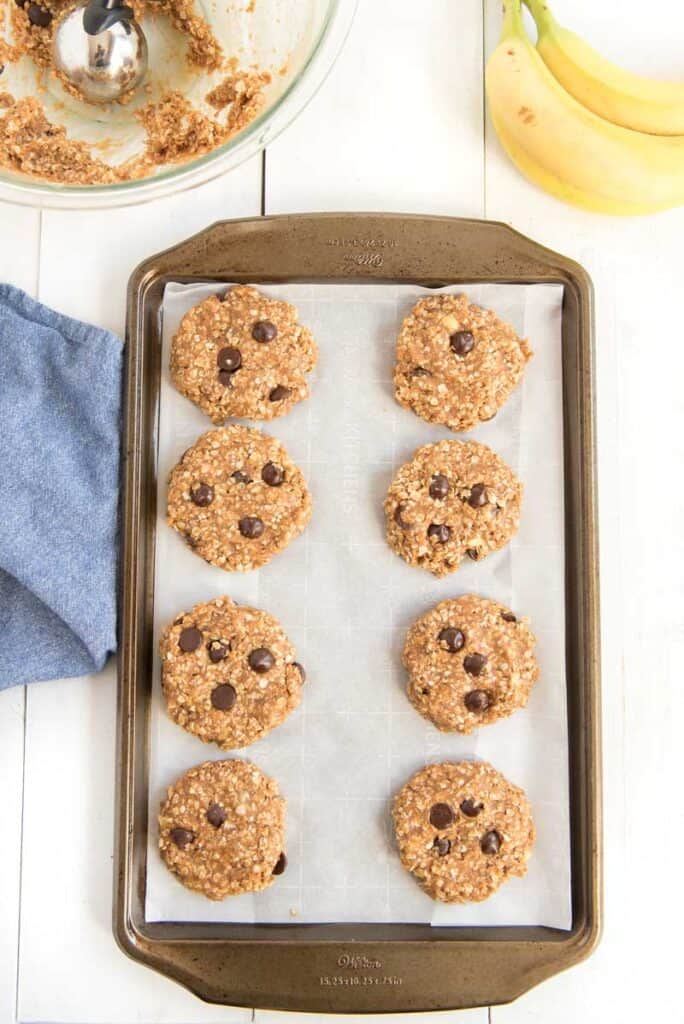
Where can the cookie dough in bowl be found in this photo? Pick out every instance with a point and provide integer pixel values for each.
(237, 498)
(229, 673)
(452, 500)
(222, 81)
(242, 355)
(222, 829)
(462, 830)
(457, 363)
(470, 662)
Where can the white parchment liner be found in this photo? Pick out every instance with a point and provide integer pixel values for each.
(346, 601)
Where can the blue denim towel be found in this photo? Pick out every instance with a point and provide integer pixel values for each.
(60, 411)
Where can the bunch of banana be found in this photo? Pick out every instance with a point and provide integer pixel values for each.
(578, 126)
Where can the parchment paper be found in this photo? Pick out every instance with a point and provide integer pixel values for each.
(346, 601)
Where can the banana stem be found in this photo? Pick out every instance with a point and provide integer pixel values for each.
(539, 10)
(512, 20)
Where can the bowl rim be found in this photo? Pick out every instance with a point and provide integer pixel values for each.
(246, 144)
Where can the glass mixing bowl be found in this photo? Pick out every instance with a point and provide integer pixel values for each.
(297, 41)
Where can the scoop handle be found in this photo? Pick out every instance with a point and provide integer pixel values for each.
(99, 15)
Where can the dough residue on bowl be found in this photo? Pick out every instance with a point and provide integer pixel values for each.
(175, 130)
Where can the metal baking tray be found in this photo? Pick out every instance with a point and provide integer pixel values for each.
(364, 968)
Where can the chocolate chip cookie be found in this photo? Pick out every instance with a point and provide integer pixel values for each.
(453, 499)
(222, 829)
(229, 673)
(242, 355)
(456, 363)
(470, 662)
(462, 829)
(237, 498)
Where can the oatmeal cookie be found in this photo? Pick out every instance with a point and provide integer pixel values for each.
(470, 662)
(456, 363)
(229, 673)
(237, 498)
(222, 829)
(462, 829)
(452, 499)
(242, 355)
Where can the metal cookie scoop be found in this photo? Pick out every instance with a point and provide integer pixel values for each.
(101, 49)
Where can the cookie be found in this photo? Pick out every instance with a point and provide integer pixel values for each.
(453, 499)
(456, 363)
(229, 673)
(470, 662)
(222, 829)
(237, 498)
(462, 829)
(242, 355)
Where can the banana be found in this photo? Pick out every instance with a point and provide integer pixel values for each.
(612, 93)
(567, 149)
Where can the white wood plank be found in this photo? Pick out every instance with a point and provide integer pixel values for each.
(398, 124)
(70, 967)
(19, 229)
(635, 267)
(451, 1017)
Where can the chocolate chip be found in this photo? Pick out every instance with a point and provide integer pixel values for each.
(251, 527)
(462, 342)
(272, 474)
(440, 532)
(202, 494)
(280, 864)
(216, 815)
(473, 553)
(264, 331)
(261, 660)
(241, 477)
(217, 649)
(476, 700)
(508, 617)
(226, 378)
(182, 837)
(420, 371)
(20, 3)
(277, 394)
(470, 808)
(474, 663)
(478, 496)
(302, 673)
(452, 639)
(442, 845)
(441, 816)
(39, 16)
(439, 487)
(229, 359)
(399, 517)
(190, 639)
(223, 697)
(491, 842)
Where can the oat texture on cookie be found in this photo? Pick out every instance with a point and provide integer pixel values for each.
(452, 500)
(470, 662)
(242, 355)
(237, 498)
(456, 363)
(229, 672)
(222, 829)
(462, 830)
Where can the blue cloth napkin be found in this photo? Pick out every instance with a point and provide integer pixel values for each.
(60, 412)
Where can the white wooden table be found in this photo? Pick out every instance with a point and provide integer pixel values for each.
(399, 125)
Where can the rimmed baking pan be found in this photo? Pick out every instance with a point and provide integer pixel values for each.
(356, 967)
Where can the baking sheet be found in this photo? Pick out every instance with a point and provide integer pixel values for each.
(346, 601)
